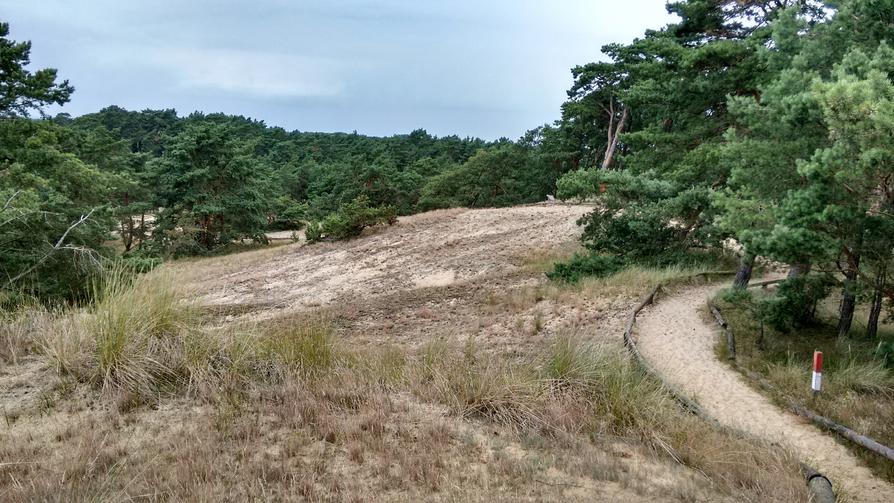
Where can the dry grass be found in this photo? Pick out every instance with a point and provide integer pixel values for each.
(172, 408)
(578, 389)
(637, 280)
(17, 331)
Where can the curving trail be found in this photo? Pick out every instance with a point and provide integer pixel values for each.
(677, 341)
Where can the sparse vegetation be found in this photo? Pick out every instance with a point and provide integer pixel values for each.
(742, 130)
(140, 344)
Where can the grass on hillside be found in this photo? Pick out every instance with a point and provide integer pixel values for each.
(858, 390)
(262, 397)
(631, 279)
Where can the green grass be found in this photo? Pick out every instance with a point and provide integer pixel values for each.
(302, 345)
(858, 390)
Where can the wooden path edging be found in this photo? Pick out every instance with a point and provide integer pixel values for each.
(843, 431)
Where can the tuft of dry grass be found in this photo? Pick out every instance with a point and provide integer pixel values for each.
(302, 345)
(474, 386)
(18, 329)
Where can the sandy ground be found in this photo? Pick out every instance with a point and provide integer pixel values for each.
(434, 249)
(443, 275)
(679, 343)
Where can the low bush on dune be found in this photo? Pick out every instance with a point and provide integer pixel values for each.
(350, 220)
(585, 265)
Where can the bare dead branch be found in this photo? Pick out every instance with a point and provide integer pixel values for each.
(10, 200)
(59, 245)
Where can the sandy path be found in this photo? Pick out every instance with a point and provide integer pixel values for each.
(679, 344)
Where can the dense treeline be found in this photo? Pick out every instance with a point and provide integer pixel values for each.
(765, 125)
(766, 122)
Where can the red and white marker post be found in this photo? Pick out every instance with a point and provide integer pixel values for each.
(817, 383)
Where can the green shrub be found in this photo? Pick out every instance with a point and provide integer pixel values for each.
(794, 305)
(140, 261)
(349, 221)
(637, 233)
(581, 266)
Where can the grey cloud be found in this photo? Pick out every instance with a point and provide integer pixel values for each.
(487, 69)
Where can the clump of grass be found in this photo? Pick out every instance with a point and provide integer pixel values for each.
(19, 329)
(300, 345)
(140, 330)
(480, 387)
(864, 377)
(626, 401)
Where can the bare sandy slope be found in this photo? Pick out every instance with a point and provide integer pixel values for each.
(676, 340)
(434, 249)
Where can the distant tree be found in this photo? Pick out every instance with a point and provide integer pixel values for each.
(211, 189)
(499, 176)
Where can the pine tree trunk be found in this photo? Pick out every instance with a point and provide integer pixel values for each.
(142, 232)
(613, 140)
(848, 295)
(127, 233)
(743, 273)
(876, 310)
(798, 269)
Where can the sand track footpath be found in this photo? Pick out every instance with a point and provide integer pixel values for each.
(677, 341)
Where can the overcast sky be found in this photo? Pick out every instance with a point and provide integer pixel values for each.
(479, 68)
